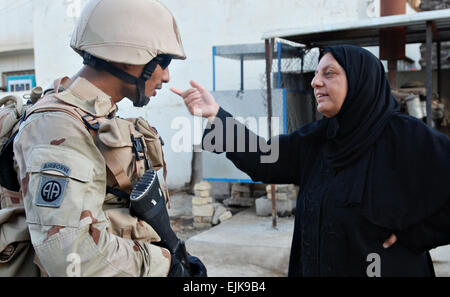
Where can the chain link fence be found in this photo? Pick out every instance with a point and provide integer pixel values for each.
(293, 69)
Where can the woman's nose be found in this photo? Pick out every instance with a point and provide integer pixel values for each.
(316, 82)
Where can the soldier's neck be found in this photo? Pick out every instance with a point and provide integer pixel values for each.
(108, 83)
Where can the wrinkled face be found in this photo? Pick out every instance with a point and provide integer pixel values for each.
(156, 81)
(330, 86)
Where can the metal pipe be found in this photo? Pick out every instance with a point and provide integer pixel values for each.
(269, 57)
(279, 64)
(214, 67)
(429, 69)
(242, 73)
(439, 72)
(392, 40)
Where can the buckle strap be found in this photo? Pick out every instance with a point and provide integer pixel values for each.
(138, 147)
(91, 123)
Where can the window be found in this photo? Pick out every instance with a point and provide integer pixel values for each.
(20, 83)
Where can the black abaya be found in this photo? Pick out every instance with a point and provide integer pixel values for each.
(364, 174)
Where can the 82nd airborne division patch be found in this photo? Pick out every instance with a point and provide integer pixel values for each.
(51, 189)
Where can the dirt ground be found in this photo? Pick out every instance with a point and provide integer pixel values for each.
(183, 227)
(180, 213)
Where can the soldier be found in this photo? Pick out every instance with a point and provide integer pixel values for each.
(78, 162)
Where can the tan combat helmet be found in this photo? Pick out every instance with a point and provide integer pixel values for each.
(137, 32)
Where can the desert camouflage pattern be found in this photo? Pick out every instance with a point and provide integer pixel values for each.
(64, 173)
(16, 252)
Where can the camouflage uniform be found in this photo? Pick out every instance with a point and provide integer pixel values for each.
(64, 173)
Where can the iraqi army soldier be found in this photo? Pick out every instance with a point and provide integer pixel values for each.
(78, 161)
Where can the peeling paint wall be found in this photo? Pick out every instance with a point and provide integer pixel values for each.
(16, 25)
(203, 24)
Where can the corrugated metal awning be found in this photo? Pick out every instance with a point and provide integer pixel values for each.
(366, 32)
(253, 51)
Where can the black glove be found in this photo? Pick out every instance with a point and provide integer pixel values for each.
(197, 267)
(177, 269)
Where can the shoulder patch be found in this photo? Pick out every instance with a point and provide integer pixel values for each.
(51, 190)
(57, 167)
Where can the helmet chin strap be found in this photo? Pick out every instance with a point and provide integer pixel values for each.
(101, 64)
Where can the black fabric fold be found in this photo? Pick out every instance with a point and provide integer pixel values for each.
(400, 166)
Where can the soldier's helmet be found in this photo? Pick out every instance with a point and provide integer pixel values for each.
(136, 32)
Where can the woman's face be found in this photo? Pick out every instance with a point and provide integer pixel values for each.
(330, 86)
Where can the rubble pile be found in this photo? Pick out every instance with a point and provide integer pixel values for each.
(286, 196)
(205, 210)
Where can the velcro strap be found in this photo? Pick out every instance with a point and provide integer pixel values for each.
(112, 160)
(63, 81)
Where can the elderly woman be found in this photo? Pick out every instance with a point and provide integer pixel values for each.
(374, 183)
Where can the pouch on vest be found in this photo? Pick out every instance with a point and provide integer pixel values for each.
(153, 142)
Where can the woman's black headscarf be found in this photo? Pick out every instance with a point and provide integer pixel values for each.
(400, 168)
(367, 108)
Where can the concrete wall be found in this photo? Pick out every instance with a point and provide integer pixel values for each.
(250, 108)
(53, 22)
(15, 62)
(16, 37)
(16, 25)
(203, 24)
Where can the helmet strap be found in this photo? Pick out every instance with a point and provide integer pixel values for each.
(101, 64)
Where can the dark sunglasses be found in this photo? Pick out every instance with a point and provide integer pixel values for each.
(163, 60)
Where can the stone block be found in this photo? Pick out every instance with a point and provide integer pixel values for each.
(240, 194)
(202, 186)
(219, 209)
(201, 225)
(283, 196)
(238, 187)
(206, 210)
(280, 188)
(201, 200)
(202, 193)
(225, 216)
(239, 201)
(264, 207)
(207, 220)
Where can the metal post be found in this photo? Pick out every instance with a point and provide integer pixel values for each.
(429, 69)
(439, 74)
(242, 73)
(279, 65)
(269, 57)
(214, 67)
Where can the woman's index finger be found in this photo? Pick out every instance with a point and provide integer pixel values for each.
(177, 91)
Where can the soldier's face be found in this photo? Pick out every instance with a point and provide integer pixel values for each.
(156, 81)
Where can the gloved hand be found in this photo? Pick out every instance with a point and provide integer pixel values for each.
(177, 269)
(198, 269)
